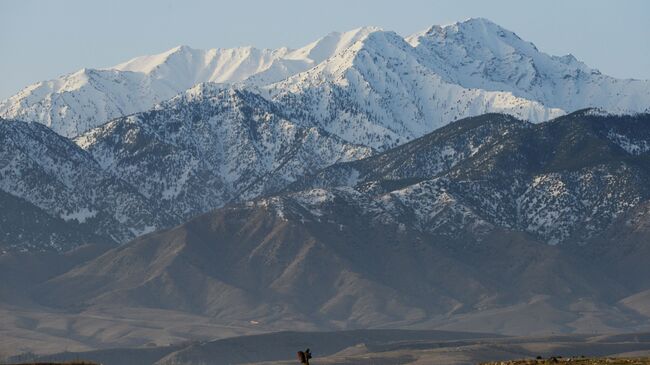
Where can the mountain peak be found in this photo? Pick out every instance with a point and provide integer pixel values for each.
(182, 50)
(480, 31)
(183, 47)
(332, 44)
(207, 90)
(471, 29)
(478, 21)
(147, 64)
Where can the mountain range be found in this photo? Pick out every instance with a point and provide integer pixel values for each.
(186, 131)
(488, 224)
(367, 85)
(456, 179)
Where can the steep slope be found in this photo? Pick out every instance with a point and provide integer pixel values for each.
(196, 152)
(77, 102)
(262, 261)
(378, 92)
(85, 99)
(249, 263)
(70, 197)
(26, 227)
(477, 53)
(366, 85)
(209, 146)
(304, 58)
(562, 181)
(422, 158)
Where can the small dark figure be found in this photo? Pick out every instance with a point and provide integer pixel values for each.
(304, 356)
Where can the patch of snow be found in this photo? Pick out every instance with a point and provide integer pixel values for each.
(633, 147)
(80, 215)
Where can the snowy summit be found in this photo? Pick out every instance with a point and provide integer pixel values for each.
(367, 86)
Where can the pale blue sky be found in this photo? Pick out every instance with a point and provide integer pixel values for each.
(44, 39)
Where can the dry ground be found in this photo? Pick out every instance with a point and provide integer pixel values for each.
(581, 361)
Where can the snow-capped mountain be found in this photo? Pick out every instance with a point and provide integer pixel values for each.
(182, 146)
(561, 181)
(366, 179)
(479, 54)
(207, 147)
(77, 102)
(378, 93)
(212, 145)
(366, 86)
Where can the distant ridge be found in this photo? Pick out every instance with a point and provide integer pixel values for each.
(390, 87)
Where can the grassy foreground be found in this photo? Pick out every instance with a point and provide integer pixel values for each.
(579, 360)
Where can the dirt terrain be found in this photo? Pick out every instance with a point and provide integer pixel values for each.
(582, 361)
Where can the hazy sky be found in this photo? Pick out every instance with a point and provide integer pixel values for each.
(44, 39)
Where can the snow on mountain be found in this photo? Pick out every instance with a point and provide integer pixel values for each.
(77, 102)
(188, 130)
(479, 54)
(52, 179)
(561, 181)
(202, 149)
(366, 85)
(88, 98)
(210, 146)
(447, 226)
(378, 92)
(182, 67)
(302, 59)
(84, 99)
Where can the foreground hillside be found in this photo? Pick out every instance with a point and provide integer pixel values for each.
(579, 360)
(376, 347)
